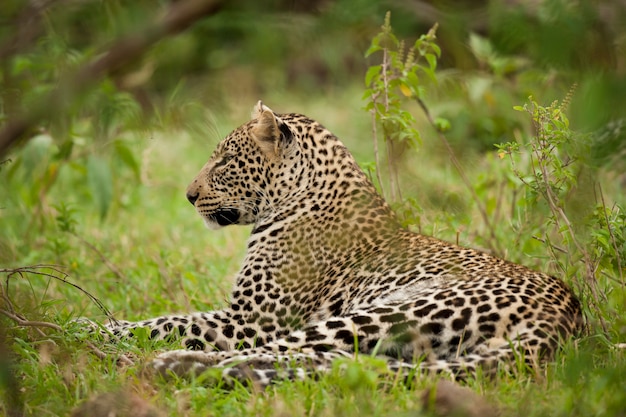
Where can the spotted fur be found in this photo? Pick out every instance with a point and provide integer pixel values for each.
(329, 270)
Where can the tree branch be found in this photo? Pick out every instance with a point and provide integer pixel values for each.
(27, 27)
(28, 323)
(179, 17)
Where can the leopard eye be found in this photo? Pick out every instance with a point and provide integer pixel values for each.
(225, 159)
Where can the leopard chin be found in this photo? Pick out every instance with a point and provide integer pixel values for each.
(221, 218)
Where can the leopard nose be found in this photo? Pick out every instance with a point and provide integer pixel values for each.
(192, 197)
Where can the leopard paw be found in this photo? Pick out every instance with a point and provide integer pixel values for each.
(183, 362)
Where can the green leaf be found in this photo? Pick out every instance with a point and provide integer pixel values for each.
(127, 157)
(430, 73)
(436, 49)
(372, 49)
(372, 72)
(35, 152)
(432, 61)
(442, 125)
(393, 39)
(65, 150)
(412, 79)
(101, 184)
(481, 47)
(370, 105)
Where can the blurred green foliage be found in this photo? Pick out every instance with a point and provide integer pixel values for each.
(496, 54)
(101, 183)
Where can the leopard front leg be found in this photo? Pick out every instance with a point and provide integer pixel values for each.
(259, 365)
(298, 354)
(207, 331)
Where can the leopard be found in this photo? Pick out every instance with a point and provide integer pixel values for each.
(330, 271)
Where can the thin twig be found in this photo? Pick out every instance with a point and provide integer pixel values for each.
(550, 244)
(376, 153)
(104, 259)
(388, 141)
(35, 269)
(29, 323)
(613, 241)
(21, 321)
(610, 277)
(123, 359)
(6, 299)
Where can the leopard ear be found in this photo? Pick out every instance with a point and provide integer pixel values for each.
(265, 131)
(258, 109)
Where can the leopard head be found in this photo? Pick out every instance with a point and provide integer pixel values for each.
(252, 172)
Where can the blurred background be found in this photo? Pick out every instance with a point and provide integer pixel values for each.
(108, 108)
(494, 53)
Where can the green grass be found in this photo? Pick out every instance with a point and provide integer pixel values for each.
(166, 262)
